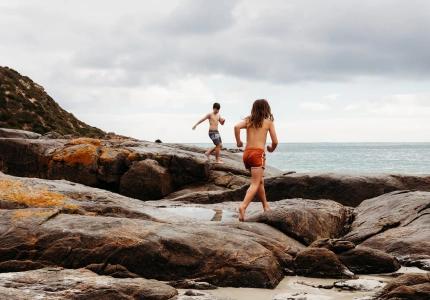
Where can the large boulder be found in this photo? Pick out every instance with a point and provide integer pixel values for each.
(347, 189)
(78, 160)
(149, 249)
(397, 223)
(320, 262)
(25, 157)
(307, 220)
(413, 286)
(103, 162)
(58, 283)
(58, 223)
(363, 260)
(146, 179)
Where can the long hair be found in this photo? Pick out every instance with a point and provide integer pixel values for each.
(260, 111)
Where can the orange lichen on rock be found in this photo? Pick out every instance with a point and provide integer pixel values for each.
(109, 154)
(15, 191)
(82, 154)
(133, 156)
(25, 214)
(80, 141)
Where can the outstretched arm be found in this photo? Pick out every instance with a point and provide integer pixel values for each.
(201, 120)
(273, 137)
(237, 129)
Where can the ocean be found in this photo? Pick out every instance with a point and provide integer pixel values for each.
(406, 158)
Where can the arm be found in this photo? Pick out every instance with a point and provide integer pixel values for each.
(273, 137)
(221, 120)
(201, 120)
(237, 128)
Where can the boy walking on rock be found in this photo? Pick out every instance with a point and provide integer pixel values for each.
(214, 118)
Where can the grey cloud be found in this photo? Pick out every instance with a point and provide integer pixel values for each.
(276, 41)
(199, 17)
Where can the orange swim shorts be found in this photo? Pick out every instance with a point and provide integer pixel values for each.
(254, 158)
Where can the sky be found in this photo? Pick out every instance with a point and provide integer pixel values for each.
(333, 71)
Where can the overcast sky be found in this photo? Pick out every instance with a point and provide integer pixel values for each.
(332, 70)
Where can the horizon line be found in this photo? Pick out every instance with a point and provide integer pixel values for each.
(321, 142)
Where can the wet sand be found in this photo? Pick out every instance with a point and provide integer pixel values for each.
(294, 284)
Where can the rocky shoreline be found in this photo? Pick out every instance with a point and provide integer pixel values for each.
(125, 219)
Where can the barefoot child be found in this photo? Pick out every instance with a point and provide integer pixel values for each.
(214, 118)
(257, 125)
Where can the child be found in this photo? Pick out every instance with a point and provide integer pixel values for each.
(214, 118)
(257, 125)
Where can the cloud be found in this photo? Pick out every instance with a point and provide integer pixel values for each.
(276, 41)
(315, 61)
(198, 17)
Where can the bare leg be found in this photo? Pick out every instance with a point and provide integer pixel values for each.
(209, 152)
(256, 176)
(218, 154)
(262, 195)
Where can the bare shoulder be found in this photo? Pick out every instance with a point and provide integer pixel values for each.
(267, 123)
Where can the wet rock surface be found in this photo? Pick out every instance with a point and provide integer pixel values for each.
(58, 283)
(358, 285)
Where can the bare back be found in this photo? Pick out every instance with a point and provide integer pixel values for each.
(257, 137)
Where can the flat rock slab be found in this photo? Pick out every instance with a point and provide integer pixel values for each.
(59, 283)
(397, 223)
(347, 189)
(17, 133)
(359, 284)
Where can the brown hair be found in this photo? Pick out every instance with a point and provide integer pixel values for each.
(260, 111)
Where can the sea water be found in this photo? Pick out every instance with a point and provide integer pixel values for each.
(407, 158)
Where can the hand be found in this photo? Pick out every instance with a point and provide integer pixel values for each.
(270, 148)
(239, 144)
(194, 127)
(222, 121)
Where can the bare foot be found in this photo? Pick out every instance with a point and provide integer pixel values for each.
(208, 154)
(219, 161)
(266, 208)
(241, 214)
